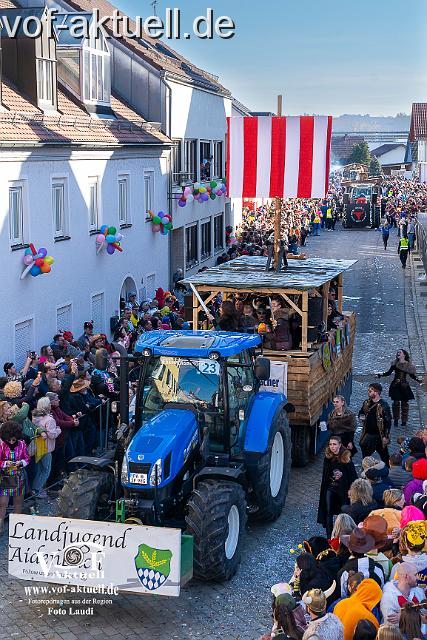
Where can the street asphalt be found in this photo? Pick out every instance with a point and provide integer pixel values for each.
(378, 290)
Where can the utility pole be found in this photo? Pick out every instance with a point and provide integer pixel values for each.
(154, 5)
(278, 207)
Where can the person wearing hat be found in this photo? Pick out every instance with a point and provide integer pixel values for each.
(83, 341)
(375, 417)
(11, 373)
(376, 472)
(360, 542)
(419, 473)
(359, 606)
(322, 625)
(377, 527)
(413, 539)
(400, 591)
(288, 615)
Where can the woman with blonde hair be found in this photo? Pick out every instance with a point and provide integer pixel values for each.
(388, 631)
(361, 500)
(342, 423)
(344, 525)
(48, 429)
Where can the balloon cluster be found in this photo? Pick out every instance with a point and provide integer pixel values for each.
(36, 262)
(201, 193)
(109, 237)
(161, 222)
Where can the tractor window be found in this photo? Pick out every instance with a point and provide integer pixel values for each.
(241, 387)
(184, 380)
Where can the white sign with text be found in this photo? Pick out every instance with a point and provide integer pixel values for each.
(278, 381)
(132, 558)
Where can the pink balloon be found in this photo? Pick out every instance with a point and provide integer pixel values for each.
(100, 238)
(28, 259)
(155, 228)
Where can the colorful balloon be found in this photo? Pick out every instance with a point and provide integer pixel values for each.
(182, 203)
(103, 229)
(190, 197)
(156, 220)
(155, 228)
(112, 231)
(35, 271)
(213, 184)
(46, 268)
(110, 238)
(28, 259)
(49, 260)
(110, 249)
(100, 238)
(42, 253)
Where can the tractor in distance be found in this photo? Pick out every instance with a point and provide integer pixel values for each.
(204, 449)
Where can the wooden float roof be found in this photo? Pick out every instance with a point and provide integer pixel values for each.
(247, 273)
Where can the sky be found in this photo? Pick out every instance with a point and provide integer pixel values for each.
(324, 56)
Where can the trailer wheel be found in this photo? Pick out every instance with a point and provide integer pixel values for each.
(216, 519)
(301, 445)
(85, 495)
(270, 479)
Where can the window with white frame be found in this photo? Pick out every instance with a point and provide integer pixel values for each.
(96, 70)
(63, 318)
(24, 341)
(123, 190)
(206, 239)
(177, 162)
(191, 246)
(59, 207)
(44, 80)
(218, 159)
(16, 214)
(205, 160)
(219, 232)
(190, 160)
(93, 204)
(149, 190)
(98, 315)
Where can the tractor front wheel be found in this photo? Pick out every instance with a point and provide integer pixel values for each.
(85, 495)
(216, 519)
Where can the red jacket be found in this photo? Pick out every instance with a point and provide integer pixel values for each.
(64, 421)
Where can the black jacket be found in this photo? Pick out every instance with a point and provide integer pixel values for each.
(342, 463)
(358, 511)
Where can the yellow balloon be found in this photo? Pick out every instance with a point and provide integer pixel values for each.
(49, 260)
(202, 190)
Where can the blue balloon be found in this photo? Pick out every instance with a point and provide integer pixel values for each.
(160, 214)
(35, 271)
(110, 238)
(27, 252)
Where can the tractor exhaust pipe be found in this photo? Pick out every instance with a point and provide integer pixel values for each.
(124, 382)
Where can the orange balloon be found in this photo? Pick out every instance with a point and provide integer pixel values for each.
(262, 327)
(45, 268)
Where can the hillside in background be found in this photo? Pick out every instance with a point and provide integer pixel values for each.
(365, 123)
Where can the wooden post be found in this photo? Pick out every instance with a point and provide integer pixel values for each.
(325, 302)
(195, 313)
(340, 292)
(278, 207)
(304, 327)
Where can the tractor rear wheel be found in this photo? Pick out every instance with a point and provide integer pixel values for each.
(85, 495)
(270, 479)
(216, 519)
(301, 445)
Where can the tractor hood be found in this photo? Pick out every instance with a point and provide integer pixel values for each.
(166, 440)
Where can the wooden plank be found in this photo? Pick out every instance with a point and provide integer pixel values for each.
(304, 320)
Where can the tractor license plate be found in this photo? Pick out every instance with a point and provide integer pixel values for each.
(138, 478)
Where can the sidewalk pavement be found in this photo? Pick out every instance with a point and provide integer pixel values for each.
(416, 316)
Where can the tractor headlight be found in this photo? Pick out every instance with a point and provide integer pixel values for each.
(214, 355)
(146, 352)
(158, 465)
(124, 474)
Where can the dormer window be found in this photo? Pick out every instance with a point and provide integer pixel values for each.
(45, 80)
(84, 63)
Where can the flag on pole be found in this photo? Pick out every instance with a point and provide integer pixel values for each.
(278, 157)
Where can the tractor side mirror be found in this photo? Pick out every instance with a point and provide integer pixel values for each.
(262, 368)
(289, 407)
(346, 198)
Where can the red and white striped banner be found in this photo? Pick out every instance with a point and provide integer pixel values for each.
(278, 157)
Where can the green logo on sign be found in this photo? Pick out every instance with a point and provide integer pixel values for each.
(153, 566)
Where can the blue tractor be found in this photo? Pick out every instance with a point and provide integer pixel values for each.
(204, 449)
